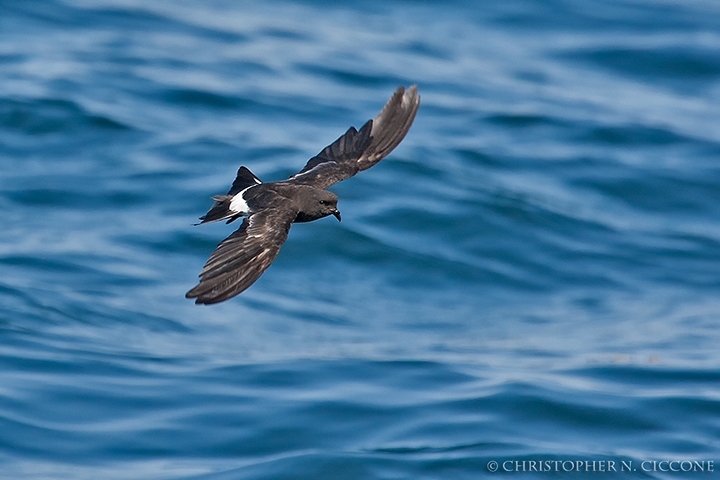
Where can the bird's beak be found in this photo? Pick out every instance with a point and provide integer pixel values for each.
(336, 214)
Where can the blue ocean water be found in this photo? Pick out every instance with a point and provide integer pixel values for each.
(532, 276)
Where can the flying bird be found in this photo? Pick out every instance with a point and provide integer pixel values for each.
(271, 208)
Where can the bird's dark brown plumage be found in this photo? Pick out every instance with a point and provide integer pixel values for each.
(272, 207)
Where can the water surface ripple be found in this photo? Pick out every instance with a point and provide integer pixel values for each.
(532, 275)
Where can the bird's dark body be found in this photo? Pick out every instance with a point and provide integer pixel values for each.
(304, 199)
(310, 203)
(271, 208)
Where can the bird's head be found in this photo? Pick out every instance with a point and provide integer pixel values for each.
(327, 203)
(316, 204)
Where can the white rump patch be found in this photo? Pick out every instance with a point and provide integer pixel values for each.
(238, 203)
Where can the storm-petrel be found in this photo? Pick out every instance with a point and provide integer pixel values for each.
(272, 207)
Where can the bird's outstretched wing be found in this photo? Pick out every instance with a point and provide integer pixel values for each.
(242, 257)
(359, 150)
